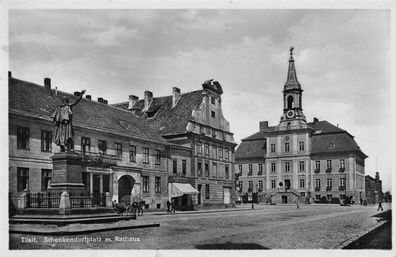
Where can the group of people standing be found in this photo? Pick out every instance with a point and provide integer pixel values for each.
(171, 206)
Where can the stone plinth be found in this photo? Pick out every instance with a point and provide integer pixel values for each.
(66, 173)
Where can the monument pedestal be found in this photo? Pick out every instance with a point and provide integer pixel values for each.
(66, 173)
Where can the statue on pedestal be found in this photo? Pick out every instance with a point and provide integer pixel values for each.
(62, 117)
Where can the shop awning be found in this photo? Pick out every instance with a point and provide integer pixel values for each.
(179, 189)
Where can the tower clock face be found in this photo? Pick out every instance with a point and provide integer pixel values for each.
(290, 114)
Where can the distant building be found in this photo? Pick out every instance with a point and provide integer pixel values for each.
(374, 189)
(298, 159)
(201, 144)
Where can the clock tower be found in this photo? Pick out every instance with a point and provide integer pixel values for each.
(292, 117)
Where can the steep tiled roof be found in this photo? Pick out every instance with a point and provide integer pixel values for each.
(30, 99)
(253, 149)
(166, 119)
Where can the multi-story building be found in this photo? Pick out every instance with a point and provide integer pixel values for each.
(202, 146)
(152, 150)
(373, 189)
(122, 154)
(313, 160)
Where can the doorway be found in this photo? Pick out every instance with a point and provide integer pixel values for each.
(284, 199)
(227, 195)
(199, 194)
(125, 186)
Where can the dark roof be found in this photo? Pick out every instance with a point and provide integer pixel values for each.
(326, 138)
(166, 119)
(332, 143)
(324, 127)
(26, 98)
(253, 149)
(260, 134)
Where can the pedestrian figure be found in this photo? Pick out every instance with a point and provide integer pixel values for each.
(380, 206)
(168, 205)
(298, 204)
(173, 204)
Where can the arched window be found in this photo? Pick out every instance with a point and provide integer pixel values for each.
(290, 102)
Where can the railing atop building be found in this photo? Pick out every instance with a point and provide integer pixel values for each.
(98, 159)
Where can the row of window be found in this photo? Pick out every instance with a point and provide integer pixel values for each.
(217, 152)
(146, 184)
(329, 184)
(23, 179)
(184, 166)
(215, 172)
(23, 136)
(287, 166)
(329, 164)
(301, 145)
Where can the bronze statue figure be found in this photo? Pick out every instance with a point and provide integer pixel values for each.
(63, 117)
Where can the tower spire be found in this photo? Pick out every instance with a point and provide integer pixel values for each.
(292, 82)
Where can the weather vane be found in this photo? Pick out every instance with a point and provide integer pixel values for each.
(291, 51)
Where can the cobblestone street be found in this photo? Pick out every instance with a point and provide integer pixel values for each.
(265, 227)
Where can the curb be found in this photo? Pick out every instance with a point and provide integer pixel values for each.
(354, 238)
(198, 212)
(81, 231)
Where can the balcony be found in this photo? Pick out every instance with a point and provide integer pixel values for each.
(328, 188)
(250, 174)
(98, 159)
(342, 169)
(317, 171)
(341, 188)
(317, 188)
(328, 170)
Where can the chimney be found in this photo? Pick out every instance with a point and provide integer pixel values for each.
(88, 97)
(377, 176)
(100, 99)
(315, 120)
(105, 101)
(132, 101)
(263, 125)
(76, 93)
(175, 96)
(47, 85)
(148, 99)
(9, 74)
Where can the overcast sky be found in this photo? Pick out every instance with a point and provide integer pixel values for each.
(342, 59)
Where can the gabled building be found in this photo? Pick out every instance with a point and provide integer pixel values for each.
(299, 159)
(201, 143)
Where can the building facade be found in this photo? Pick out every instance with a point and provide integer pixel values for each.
(202, 152)
(373, 189)
(296, 159)
(124, 152)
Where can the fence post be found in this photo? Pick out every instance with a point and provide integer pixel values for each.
(108, 200)
(22, 201)
(64, 205)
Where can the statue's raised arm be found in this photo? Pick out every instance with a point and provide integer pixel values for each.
(78, 98)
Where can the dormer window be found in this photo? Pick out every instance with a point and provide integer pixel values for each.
(213, 114)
